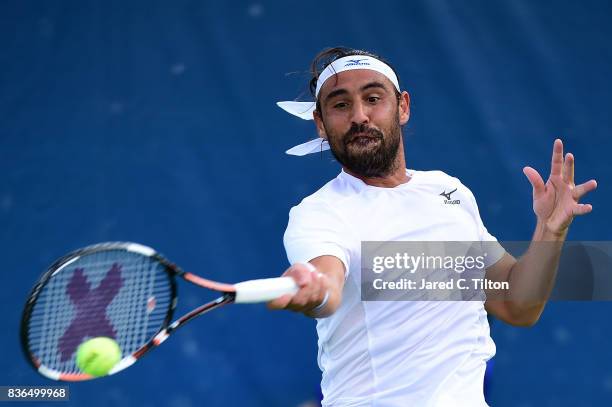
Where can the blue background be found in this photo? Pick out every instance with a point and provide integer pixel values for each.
(155, 122)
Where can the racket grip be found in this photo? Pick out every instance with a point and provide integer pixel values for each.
(265, 289)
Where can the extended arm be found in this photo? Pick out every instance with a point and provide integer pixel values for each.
(532, 277)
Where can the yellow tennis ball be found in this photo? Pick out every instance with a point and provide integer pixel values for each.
(97, 356)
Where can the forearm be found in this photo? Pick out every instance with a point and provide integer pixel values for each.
(532, 277)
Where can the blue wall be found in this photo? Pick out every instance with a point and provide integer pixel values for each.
(155, 122)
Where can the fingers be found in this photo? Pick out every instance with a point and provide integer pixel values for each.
(582, 189)
(557, 158)
(280, 302)
(312, 288)
(578, 192)
(568, 168)
(309, 296)
(301, 274)
(582, 209)
(536, 181)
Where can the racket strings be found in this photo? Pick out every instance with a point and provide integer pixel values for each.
(114, 293)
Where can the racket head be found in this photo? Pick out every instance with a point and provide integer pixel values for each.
(122, 290)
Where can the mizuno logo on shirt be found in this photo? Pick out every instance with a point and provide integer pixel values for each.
(448, 200)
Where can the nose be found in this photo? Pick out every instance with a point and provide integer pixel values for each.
(360, 113)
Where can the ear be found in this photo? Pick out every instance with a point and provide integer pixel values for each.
(404, 108)
(319, 122)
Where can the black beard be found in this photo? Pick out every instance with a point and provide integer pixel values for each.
(375, 162)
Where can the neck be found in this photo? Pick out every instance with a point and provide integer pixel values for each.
(396, 177)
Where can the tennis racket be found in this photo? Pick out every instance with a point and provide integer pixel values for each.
(124, 291)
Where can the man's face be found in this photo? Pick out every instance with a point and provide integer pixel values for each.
(361, 118)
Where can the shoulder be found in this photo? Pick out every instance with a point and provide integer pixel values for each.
(325, 199)
(319, 214)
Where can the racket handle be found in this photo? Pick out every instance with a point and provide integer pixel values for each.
(265, 289)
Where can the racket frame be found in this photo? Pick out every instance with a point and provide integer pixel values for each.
(166, 328)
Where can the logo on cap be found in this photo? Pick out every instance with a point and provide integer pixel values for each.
(353, 62)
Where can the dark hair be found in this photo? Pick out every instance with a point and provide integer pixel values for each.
(329, 55)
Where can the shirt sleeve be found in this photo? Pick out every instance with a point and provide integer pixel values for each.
(315, 230)
(491, 246)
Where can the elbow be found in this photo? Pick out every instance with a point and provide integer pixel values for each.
(524, 322)
(525, 318)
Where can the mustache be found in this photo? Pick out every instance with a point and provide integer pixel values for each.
(361, 130)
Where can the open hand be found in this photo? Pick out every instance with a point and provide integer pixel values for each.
(556, 202)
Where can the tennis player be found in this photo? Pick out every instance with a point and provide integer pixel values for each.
(394, 353)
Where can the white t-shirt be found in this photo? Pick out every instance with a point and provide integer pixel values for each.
(394, 353)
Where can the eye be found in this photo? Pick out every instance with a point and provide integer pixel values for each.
(340, 105)
(373, 99)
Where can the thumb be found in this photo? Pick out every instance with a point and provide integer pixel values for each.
(536, 181)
